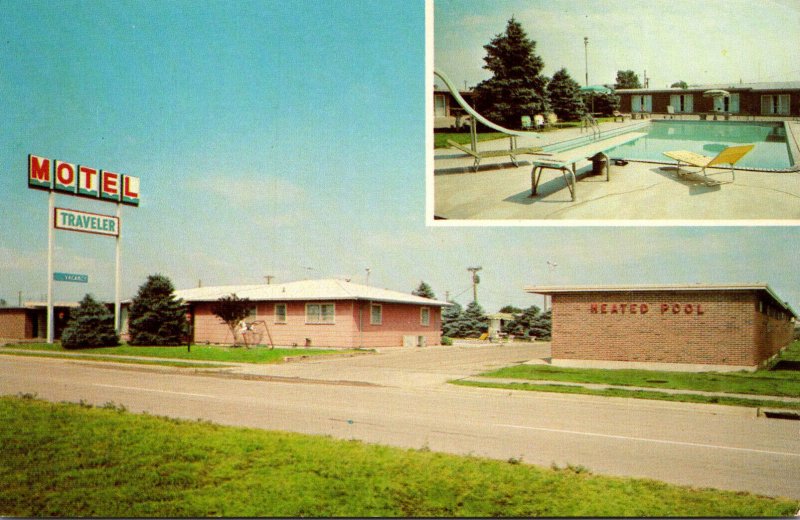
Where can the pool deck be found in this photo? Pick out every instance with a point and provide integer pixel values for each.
(638, 192)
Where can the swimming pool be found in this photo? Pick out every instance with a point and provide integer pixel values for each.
(709, 138)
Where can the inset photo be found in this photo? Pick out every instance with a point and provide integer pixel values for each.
(595, 112)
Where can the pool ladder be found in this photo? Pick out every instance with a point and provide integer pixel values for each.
(589, 122)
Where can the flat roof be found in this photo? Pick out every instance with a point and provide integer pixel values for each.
(734, 87)
(564, 289)
(317, 290)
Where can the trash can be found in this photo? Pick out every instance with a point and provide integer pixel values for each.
(598, 164)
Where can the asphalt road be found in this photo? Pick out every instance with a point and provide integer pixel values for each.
(698, 445)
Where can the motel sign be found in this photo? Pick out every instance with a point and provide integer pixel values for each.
(85, 181)
(67, 178)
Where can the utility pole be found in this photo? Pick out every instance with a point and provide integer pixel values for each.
(586, 57)
(268, 278)
(475, 281)
(367, 270)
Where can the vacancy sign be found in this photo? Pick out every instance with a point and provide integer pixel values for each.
(82, 180)
(72, 220)
(70, 277)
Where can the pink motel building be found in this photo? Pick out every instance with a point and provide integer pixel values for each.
(321, 313)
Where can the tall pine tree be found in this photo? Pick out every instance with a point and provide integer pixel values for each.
(424, 290)
(156, 317)
(517, 87)
(564, 94)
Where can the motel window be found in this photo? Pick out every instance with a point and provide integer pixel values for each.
(642, 103)
(772, 105)
(424, 316)
(375, 314)
(320, 313)
(682, 102)
(280, 313)
(439, 105)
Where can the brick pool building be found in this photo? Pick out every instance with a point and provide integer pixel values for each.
(680, 327)
(321, 313)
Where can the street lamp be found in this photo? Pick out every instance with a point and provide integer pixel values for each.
(586, 57)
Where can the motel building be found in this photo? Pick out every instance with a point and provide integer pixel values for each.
(321, 313)
(697, 327)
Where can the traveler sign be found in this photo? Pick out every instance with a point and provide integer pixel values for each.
(69, 277)
(72, 220)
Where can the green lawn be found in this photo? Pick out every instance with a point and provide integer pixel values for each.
(759, 383)
(440, 138)
(74, 460)
(198, 352)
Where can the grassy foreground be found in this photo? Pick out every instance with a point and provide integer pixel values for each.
(198, 352)
(74, 460)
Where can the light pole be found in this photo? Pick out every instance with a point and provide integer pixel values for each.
(586, 57)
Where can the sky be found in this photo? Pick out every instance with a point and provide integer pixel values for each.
(697, 41)
(288, 139)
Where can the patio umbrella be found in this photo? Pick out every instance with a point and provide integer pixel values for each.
(716, 92)
(596, 89)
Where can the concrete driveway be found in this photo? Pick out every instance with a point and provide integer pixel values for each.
(406, 367)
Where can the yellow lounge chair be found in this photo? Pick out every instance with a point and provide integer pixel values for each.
(729, 156)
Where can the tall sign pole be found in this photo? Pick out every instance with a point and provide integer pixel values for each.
(117, 322)
(50, 240)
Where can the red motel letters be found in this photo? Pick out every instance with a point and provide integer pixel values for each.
(61, 176)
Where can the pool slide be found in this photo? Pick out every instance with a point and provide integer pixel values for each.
(471, 111)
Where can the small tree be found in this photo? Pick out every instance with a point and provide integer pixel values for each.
(680, 84)
(156, 317)
(90, 325)
(517, 86)
(424, 290)
(627, 79)
(564, 95)
(232, 310)
(532, 323)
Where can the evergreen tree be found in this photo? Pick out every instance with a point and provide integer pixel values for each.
(532, 323)
(470, 322)
(424, 290)
(156, 317)
(564, 95)
(517, 87)
(627, 79)
(90, 325)
(604, 104)
(450, 316)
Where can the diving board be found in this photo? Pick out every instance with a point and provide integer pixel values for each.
(566, 160)
(477, 117)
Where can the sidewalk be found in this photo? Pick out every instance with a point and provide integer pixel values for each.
(595, 386)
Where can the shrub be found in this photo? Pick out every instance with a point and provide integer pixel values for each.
(90, 325)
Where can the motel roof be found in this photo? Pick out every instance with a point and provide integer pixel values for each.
(564, 289)
(733, 87)
(327, 289)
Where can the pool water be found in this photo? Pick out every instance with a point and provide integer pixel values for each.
(709, 138)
